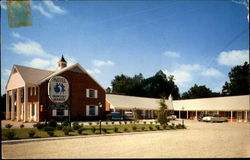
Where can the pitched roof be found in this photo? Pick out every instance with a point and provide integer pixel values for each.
(32, 75)
(130, 102)
(37, 76)
(227, 103)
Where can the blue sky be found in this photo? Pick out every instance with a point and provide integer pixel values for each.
(196, 41)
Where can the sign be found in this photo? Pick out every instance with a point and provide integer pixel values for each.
(58, 89)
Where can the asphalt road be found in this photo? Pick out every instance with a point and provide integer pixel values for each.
(200, 140)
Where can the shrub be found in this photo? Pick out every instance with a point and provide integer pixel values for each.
(134, 128)
(52, 123)
(131, 122)
(51, 133)
(31, 133)
(116, 129)
(90, 123)
(39, 126)
(107, 122)
(150, 128)
(157, 127)
(21, 126)
(8, 126)
(10, 134)
(125, 129)
(76, 126)
(67, 129)
(156, 122)
(48, 129)
(143, 128)
(104, 130)
(144, 122)
(59, 127)
(151, 122)
(120, 122)
(93, 129)
(125, 122)
(112, 122)
(80, 130)
(65, 123)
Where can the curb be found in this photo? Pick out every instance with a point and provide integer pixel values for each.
(84, 136)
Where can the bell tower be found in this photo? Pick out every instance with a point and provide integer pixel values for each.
(62, 63)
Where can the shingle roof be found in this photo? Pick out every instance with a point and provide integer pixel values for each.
(214, 104)
(130, 102)
(32, 75)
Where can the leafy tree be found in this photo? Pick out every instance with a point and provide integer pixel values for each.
(108, 90)
(199, 92)
(163, 112)
(239, 81)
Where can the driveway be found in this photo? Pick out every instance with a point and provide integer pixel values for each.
(200, 140)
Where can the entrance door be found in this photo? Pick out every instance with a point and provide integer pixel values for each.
(33, 112)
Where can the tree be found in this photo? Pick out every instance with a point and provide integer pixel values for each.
(239, 81)
(163, 112)
(108, 90)
(199, 92)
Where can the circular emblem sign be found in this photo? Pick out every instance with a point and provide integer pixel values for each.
(58, 89)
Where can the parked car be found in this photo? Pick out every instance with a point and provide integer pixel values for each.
(200, 117)
(172, 117)
(214, 118)
(116, 116)
(128, 115)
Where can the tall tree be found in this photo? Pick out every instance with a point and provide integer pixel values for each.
(199, 92)
(239, 81)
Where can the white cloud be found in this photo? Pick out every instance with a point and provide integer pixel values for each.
(93, 71)
(211, 72)
(6, 72)
(181, 78)
(42, 10)
(53, 8)
(171, 54)
(28, 48)
(99, 63)
(190, 67)
(3, 5)
(233, 58)
(16, 35)
(41, 63)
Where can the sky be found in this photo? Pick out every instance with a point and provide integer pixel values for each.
(197, 41)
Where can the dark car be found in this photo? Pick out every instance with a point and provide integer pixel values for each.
(116, 116)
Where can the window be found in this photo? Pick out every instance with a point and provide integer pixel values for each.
(92, 110)
(60, 112)
(91, 93)
(33, 110)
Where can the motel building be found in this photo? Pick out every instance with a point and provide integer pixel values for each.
(147, 106)
(235, 108)
(35, 95)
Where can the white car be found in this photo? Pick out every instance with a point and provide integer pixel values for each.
(172, 117)
(214, 118)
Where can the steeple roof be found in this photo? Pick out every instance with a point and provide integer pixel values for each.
(63, 60)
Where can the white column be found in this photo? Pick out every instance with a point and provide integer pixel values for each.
(196, 115)
(18, 104)
(25, 105)
(179, 114)
(12, 105)
(187, 114)
(217, 112)
(7, 105)
(231, 116)
(245, 116)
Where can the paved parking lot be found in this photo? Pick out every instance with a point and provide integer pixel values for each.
(200, 140)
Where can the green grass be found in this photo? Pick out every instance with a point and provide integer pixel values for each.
(22, 133)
